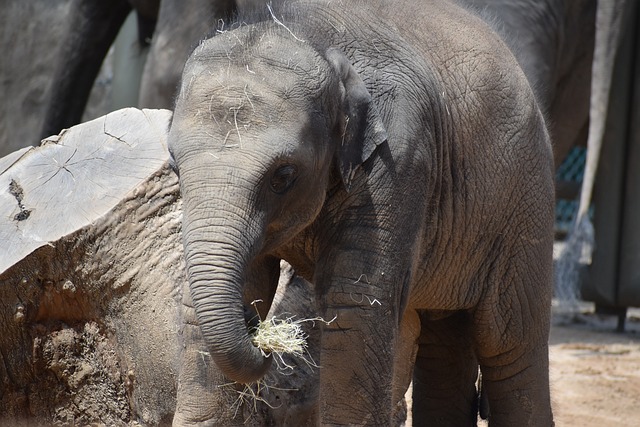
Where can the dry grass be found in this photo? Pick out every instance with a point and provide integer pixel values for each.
(284, 336)
(280, 337)
(249, 397)
(276, 337)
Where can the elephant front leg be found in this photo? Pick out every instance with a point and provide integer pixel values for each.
(357, 353)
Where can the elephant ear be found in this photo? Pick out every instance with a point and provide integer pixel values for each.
(361, 127)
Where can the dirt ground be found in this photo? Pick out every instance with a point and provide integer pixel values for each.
(595, 371)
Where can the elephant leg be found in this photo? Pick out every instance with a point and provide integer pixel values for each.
(405, 356)
(445, 372)
(93, 26)
(358, 347)
(511, 331)
(356, 379)
(181, 25)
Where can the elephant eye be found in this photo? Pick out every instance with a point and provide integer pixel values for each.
(283, 178)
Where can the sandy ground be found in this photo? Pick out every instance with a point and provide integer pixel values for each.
(595, 371)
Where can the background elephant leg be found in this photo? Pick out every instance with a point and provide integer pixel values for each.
(93, 26)
(444, 392)
(181, 25)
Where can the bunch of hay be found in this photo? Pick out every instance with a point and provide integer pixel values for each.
(277, 337)
(280, 336)
(284, 336)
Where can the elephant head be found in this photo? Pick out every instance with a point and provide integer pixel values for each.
(265, 125)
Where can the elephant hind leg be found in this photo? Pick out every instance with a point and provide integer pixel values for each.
(446, 369)
(517, 396)
(511, 330)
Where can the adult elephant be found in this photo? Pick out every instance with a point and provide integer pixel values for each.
(395, 155)
(553, 42)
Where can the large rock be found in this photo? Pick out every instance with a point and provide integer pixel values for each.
(95, 313)
(90, 274)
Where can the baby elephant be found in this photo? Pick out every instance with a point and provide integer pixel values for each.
(394, 154)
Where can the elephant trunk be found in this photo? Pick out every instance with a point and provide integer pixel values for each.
(220, 242)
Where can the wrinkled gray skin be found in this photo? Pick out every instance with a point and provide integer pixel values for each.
(395, 155)
(553, 41)
(288, 396)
